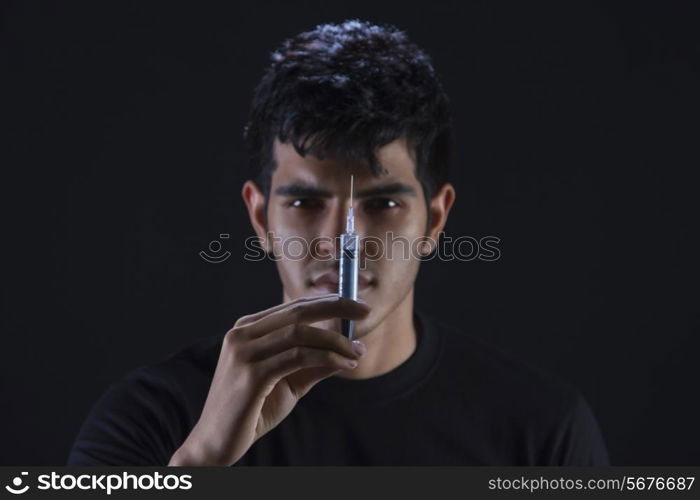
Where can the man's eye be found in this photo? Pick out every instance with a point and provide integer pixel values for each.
(306, 203)
(380, 204)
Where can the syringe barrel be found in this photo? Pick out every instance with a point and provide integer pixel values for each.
(348, 275)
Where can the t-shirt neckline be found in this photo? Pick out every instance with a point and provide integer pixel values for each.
(403, 379)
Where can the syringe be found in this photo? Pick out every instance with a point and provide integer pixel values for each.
(347, 280)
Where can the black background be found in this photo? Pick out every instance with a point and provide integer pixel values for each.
(122, 158)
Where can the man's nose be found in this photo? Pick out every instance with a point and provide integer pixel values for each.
(331, 229)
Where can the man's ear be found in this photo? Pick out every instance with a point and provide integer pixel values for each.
(440, 206)
(255, 202)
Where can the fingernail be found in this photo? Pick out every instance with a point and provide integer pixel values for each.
(364, 304)
(359, 347)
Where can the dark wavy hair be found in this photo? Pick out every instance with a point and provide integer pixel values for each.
(347, 89)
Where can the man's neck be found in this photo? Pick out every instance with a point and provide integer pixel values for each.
(389, 344)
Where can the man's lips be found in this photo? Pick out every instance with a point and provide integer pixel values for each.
(329, 281)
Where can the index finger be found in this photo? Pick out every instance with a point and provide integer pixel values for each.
(244, 320)
(311, 311)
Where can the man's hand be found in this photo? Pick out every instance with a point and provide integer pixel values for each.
(268, 361)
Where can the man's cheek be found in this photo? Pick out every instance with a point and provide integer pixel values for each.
(291, 275)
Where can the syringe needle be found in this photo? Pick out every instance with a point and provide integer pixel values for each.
(351, 189)
(350, 222)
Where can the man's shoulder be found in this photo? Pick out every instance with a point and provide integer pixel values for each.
(144, 415)
(185, 366)
(486, 369)
(525, 401)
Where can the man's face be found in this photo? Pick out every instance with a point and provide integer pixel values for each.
(309, 199)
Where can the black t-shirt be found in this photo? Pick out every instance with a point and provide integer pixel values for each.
(455, 401)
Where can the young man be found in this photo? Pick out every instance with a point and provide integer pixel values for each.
(283, 386)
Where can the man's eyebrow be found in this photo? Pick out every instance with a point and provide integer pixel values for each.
(309, 191)
(393, 188)
(303, 191)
